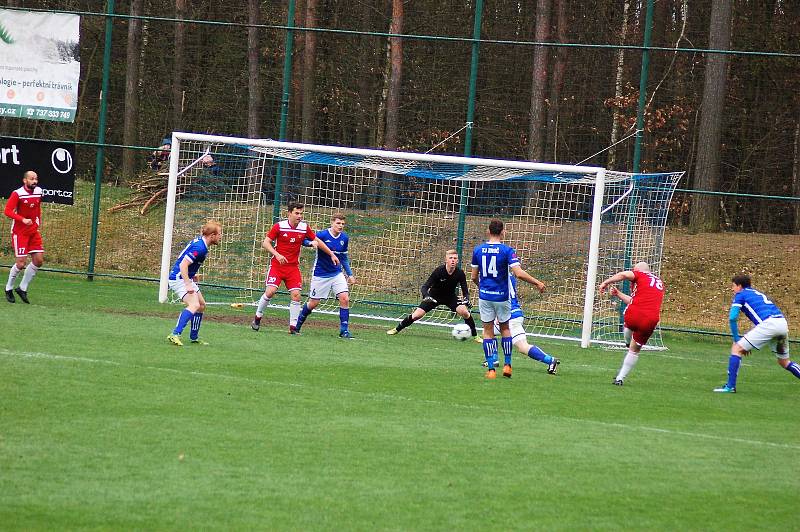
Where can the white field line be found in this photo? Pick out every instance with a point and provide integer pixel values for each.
(392, 397)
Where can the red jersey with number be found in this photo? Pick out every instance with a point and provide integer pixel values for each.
(288, 240)
(24, 204)
(648, 293)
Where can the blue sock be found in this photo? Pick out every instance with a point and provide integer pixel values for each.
(344, 319)
(733, 370)
(304, 312)
(490, 351)
(508, 348)
(183, 319)
(195, 327)
(537, 354)
(794, 369)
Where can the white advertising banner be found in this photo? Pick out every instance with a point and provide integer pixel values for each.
(39, 65)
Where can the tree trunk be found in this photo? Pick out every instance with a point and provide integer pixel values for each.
(179, 64)
(132, 75)
(253, 89)
(395, 76)
(539, 81)
(612, 153)
(558, 80)
(309, 68)
(705, 210)
(796, 175)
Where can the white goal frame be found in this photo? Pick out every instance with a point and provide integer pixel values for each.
(597, 176)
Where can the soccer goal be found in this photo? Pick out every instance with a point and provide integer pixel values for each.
(572, 226)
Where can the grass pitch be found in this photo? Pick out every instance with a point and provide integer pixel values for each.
(105, 425)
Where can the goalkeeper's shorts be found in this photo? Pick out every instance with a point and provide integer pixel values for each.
(427, 305)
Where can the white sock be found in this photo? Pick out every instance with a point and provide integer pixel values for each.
(30, 271)
(12, 274)
(628, 362)
(262, 304)
(294, 312)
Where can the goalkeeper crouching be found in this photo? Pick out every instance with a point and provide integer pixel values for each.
(440, 289)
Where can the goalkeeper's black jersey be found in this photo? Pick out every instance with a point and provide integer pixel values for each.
(441, 285)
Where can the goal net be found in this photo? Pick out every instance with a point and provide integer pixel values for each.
(572, 226)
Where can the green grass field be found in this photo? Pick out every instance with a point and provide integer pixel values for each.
(105, 425)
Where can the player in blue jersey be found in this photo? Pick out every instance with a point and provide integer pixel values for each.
(492, 263)
(770, 327)
(518, 336)
(182, 281)
(327, 277)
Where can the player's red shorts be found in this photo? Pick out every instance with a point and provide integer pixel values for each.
(26, 242)
(641, 325)
(287, 273)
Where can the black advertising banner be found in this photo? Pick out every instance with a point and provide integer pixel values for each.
(54, 162)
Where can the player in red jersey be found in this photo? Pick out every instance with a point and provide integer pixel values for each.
(641, 314)
(288, 236)
(24, 209)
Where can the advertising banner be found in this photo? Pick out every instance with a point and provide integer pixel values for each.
(39, 65)
(52, 161)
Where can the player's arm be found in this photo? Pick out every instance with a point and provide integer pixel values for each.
(528, 278)
(187, 280)
(474, 276)
(425, 289)
(324, 247)
(309, 243)
(464, 286)
(267, 244)
(348, 271)
(11, 209)
(617, 277)
(733, 320)
(614, 291)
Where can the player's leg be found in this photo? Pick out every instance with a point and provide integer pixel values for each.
(520, 340)
(36, 251)
(272, 280)
(344, 314)
(423, 308)
(785, 362)
(508, 347)
(309, 306)
(198, 306)
(20, 245)
(488, 312)
(755, 338)
(781, 350)
(641, 329)
(294, 309)
(186, 315)
(294, 283)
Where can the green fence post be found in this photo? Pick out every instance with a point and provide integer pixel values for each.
(637, 150)
(287, 82)
(473, 82)
(101, 137)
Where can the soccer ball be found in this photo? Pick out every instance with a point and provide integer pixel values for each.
(461, 331)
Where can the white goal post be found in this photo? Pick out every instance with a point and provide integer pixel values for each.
(571, 225)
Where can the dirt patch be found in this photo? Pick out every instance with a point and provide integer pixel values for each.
(697, 270)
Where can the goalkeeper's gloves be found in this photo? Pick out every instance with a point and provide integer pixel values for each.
(465, 301)
(429, 299)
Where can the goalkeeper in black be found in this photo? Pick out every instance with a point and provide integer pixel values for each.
(441, 289)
